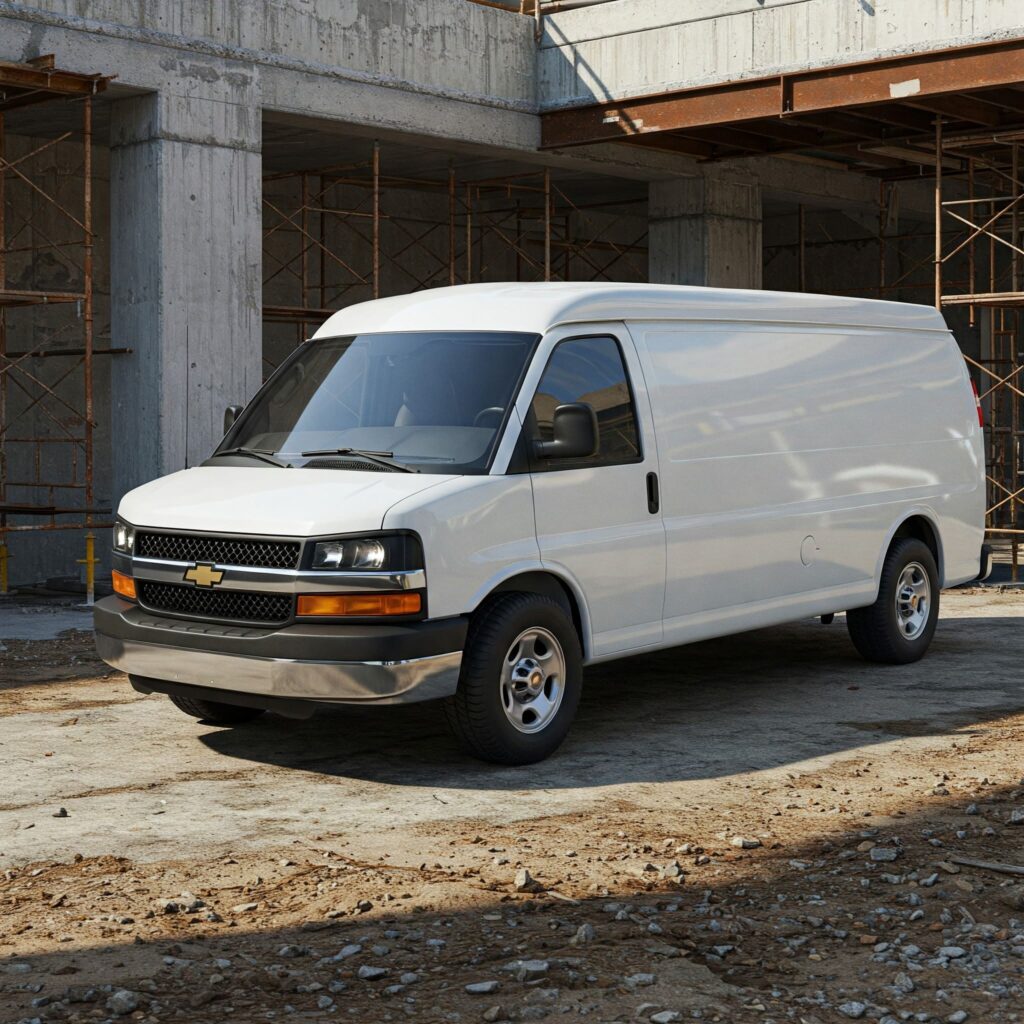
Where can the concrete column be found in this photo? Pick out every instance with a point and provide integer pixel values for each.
(185, 225)
(705, 231)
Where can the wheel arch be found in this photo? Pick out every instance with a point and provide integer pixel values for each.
(920, 524)
(549, 584)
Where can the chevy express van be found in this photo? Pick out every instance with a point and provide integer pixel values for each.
(471, 493)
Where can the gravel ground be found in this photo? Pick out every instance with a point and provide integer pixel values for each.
(761, 829)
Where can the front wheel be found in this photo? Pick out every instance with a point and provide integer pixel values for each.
(215, 712)
(520, 682)
(899, 626)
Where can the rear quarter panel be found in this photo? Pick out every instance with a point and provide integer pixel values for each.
(770, 434)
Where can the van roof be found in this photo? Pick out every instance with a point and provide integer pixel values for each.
(537, 307)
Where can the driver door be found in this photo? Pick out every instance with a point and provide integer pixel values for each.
(598, 518)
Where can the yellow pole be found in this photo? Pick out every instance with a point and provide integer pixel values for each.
(90, 562)
(4, 556)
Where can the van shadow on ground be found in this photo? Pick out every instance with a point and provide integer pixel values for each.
(750, 702)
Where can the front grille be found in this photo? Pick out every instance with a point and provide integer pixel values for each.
(234, 605)
(182, 547)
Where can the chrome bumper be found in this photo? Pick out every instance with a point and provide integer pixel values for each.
(342, 682)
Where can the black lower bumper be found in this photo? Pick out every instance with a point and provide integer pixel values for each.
(357, 664)
(125, 620)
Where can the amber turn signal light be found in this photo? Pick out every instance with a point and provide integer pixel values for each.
(362, 605)
(123, 585)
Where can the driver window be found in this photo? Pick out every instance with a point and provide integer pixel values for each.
(589, 370)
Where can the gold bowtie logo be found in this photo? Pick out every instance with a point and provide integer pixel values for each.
(204, 575)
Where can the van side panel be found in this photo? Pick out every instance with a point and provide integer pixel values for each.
(789, 456)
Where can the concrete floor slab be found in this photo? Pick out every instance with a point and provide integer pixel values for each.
(42, 621)
(669, 729)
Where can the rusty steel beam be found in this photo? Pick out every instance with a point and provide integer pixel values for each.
(1006, 99)
(289, 313)
(733, 138)
(65, 83)
(848, 124)
(962, 108)
(786, 132)
(906, 120)
(23, 297)
(676, 144)
(862, 154)
(885, 82)
(985, 299)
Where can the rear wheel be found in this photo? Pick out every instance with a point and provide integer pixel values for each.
(899, 626)
(520, 682)
(214, 712)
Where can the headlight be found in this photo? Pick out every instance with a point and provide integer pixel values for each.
(396, 552)
(348, 554)
(124, 537)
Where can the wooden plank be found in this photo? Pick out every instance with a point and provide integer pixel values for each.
(989, 865)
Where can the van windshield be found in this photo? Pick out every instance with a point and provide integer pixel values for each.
(432, 402)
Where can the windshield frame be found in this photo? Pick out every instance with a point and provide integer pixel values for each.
(229, 439)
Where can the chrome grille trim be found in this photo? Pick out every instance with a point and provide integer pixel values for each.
(281, 581)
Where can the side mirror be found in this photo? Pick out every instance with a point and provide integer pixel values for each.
(231, 413)
(575, 430)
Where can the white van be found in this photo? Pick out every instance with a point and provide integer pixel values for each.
(472, 492)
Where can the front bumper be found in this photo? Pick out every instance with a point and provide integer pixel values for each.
(386, 664)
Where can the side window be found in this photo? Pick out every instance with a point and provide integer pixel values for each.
(588, 370)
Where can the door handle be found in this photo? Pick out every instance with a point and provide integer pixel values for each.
(653, 499)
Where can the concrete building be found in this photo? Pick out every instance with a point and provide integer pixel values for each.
(253, 166)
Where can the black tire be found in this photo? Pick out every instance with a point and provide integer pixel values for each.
(214, 712)
(876, 630)
(476, 714)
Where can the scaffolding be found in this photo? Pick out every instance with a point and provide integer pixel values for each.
(342, 234)
(47, 333)
(979, 221)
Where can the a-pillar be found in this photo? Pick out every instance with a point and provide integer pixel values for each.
(186, 236)
(705, 231)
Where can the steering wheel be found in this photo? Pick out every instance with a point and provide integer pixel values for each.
(495, 411)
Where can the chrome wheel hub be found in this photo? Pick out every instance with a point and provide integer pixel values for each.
(533, 680)
(913, 600)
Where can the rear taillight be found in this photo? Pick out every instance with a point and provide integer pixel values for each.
(977, 402)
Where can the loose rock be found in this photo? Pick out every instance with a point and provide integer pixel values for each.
(525, 882)
(483, 988)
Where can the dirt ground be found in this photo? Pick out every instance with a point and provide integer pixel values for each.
(763, 828)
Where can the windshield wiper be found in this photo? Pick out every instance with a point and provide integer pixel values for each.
(378, 458)
(255, 453)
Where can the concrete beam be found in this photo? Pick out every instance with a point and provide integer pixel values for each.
(475, 93)
(447, 68)
(451, 73)
(645, 47)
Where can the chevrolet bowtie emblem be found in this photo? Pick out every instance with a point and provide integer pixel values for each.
(204, 575)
